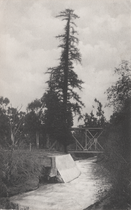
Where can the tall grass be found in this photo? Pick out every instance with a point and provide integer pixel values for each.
(19, 167)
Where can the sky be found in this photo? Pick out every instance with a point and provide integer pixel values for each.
(28, 46)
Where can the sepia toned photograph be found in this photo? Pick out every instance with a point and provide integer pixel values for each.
(65, 104)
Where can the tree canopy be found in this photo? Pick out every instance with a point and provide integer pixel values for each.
(95, 119)
(118, 93)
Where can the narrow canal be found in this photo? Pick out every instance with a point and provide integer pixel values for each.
(78, 194)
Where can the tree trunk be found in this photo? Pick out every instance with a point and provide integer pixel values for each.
(37, 140)
(12, 138)
(65, 89)
(65, 149)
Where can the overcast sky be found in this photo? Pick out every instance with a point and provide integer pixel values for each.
(28, 45)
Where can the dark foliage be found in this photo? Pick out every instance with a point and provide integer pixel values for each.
(118, 143)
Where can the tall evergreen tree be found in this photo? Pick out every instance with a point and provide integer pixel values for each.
(63, 79)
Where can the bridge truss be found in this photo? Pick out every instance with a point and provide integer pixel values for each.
(91, 142)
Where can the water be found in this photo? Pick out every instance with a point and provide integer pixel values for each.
(78, 194)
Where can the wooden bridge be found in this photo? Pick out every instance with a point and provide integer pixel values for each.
(91, 141)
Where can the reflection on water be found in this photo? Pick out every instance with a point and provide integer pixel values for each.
(78, 194)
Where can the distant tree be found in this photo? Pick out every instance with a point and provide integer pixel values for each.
(16, 122)
(63, 80)
(4, 121)
(95, 120)
(11, 123)
(34, 121)
(90, 120)
(100, 114)
(4, 102)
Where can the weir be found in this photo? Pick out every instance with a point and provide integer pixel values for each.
(65, 166)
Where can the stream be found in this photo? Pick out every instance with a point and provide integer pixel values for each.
(77, 194)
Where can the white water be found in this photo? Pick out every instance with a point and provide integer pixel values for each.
(78, 194)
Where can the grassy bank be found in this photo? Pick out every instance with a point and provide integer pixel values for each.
(20, 171)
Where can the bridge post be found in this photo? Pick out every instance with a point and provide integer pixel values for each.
(95, 140)
(85, 138)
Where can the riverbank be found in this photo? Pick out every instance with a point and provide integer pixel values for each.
(79, 193)
(110, 202)
(92, 183)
